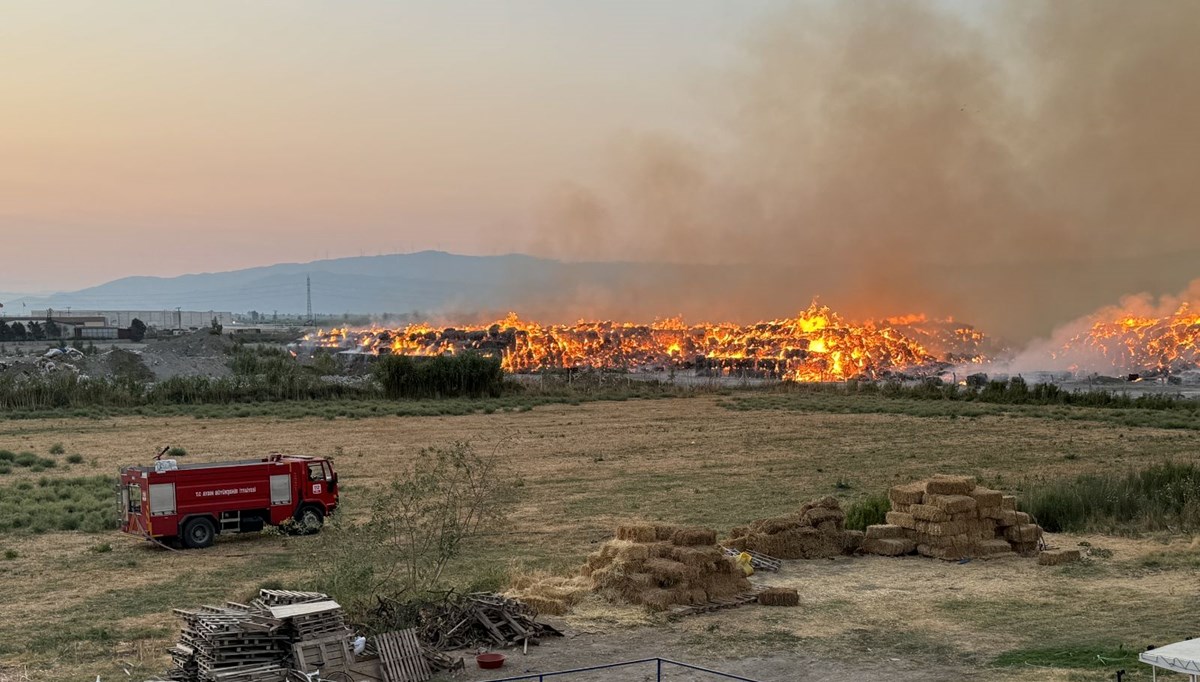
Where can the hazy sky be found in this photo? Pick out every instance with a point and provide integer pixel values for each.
(168, 137)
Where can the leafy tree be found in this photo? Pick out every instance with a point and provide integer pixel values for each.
(18, 331)
(5, 333)
(137, 330)
(216, 328)
(52, 330)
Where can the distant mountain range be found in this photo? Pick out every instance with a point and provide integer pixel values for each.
(428, 281)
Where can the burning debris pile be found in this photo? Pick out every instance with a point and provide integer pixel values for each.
(1134, 344)
(816, 345)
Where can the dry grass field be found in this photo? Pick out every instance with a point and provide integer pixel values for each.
(74, 608)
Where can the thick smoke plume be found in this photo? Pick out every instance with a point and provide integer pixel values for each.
(1014, 165)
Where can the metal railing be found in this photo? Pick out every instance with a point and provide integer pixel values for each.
(658, 664)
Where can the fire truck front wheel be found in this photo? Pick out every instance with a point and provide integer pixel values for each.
(310, 519)
(199, 533)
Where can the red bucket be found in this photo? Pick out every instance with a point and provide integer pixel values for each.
(490, 661)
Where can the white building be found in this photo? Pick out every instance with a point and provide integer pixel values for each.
(158, 319)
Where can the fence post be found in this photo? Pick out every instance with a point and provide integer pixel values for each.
(659, 662)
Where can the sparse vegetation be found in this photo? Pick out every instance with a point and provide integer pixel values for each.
(75, 459)
(1159, 497)
(57, 449)
(50, 504)
(868, 511)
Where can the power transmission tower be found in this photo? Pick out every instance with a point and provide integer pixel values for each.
(308, 286)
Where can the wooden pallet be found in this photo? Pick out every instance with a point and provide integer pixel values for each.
(714, 605)
(758, 561)
(400, 657)
(327, 655)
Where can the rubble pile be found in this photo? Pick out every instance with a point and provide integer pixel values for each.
(952, 518)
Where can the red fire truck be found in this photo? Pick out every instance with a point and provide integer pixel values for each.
(192, 503)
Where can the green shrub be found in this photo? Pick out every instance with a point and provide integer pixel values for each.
(102, 548)
(176, 452)
(82, 503)
(75, 459)
(469, 375)
(869, 511)
(1160, 497)
(10, 554)
(26, 459)
(5, 469)
(7, 455)
(57, 449)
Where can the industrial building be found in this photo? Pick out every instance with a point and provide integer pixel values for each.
(162, 320)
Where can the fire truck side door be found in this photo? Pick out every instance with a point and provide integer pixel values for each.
(162, 499)
(281, 489)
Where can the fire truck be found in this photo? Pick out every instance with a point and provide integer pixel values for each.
(190, 504)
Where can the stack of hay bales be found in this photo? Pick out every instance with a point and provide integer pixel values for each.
(817, 531)
(549, 594)
(951, 517)
(661, 566)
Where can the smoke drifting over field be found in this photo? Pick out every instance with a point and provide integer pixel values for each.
(1015, 165)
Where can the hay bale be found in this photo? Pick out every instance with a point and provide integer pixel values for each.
(777, 524)
(1055, 557)
(800, 543)
(1005, 518)
(817, 516)
(1026, 549)
(1025, 533)
(901, 519)
(688, 537)
(889, 546)
(1008, 502)
(1022, 518)
(909, 493)
(637, 533)
(827, 502)
(852, 541)
(928, 512)
(884, 530)
(945, 484)
(990, 549)
(906, 508)
(698, 556)
(943, 553)
(952, 504)
(779, 596)
(670, 572)
(739, 531)
(664, 531)
(986, 498)
(947, 528)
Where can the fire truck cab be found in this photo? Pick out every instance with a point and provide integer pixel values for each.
(193, 503)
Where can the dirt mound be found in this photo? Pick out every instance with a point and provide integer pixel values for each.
(199, 353)
(817, 531)
(664, 567)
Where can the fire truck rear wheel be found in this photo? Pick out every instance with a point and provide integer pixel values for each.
(199, 533)
(310, 519)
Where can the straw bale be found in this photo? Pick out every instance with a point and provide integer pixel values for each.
(945, 484)
(818, 515)
(664, 531)
(700, 556)
(1055, 557)
(827, 502)
(686, 537)
(779, 596)
(670, 572)
(952, 504)
(928, 512)
(739, 531)
(944, 553)
(901, 519)
(1008, 502)
(637, 533)
(852, 541)
(1024, 533)
(799, 543)
(884, 530)
(962, 540)
(889, 546)
(947, 528)
(657, 599)
(906, 508)
(777, 524)
(1005, 518)
(909, 493)
(993, 548)
(987, 498)
(1026, 549)
(1022, 517)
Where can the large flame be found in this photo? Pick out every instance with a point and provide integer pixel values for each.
(816, 345)
(1130, 343)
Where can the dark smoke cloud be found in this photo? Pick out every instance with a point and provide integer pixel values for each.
(1015, 165)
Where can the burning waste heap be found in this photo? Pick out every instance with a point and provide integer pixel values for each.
(816, 345)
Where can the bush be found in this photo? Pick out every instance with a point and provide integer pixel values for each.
(11, 554)
(102, 548)
(469, 375)
(7, 455)
(176, 452)
(75, 459)
(83, 503)
(1161, 497)
(868, 511)
(57, 449)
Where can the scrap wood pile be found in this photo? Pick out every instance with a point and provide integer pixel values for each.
(661, 566)
(463, 621)
(256, 642)
(816, 531)
(951, 517)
